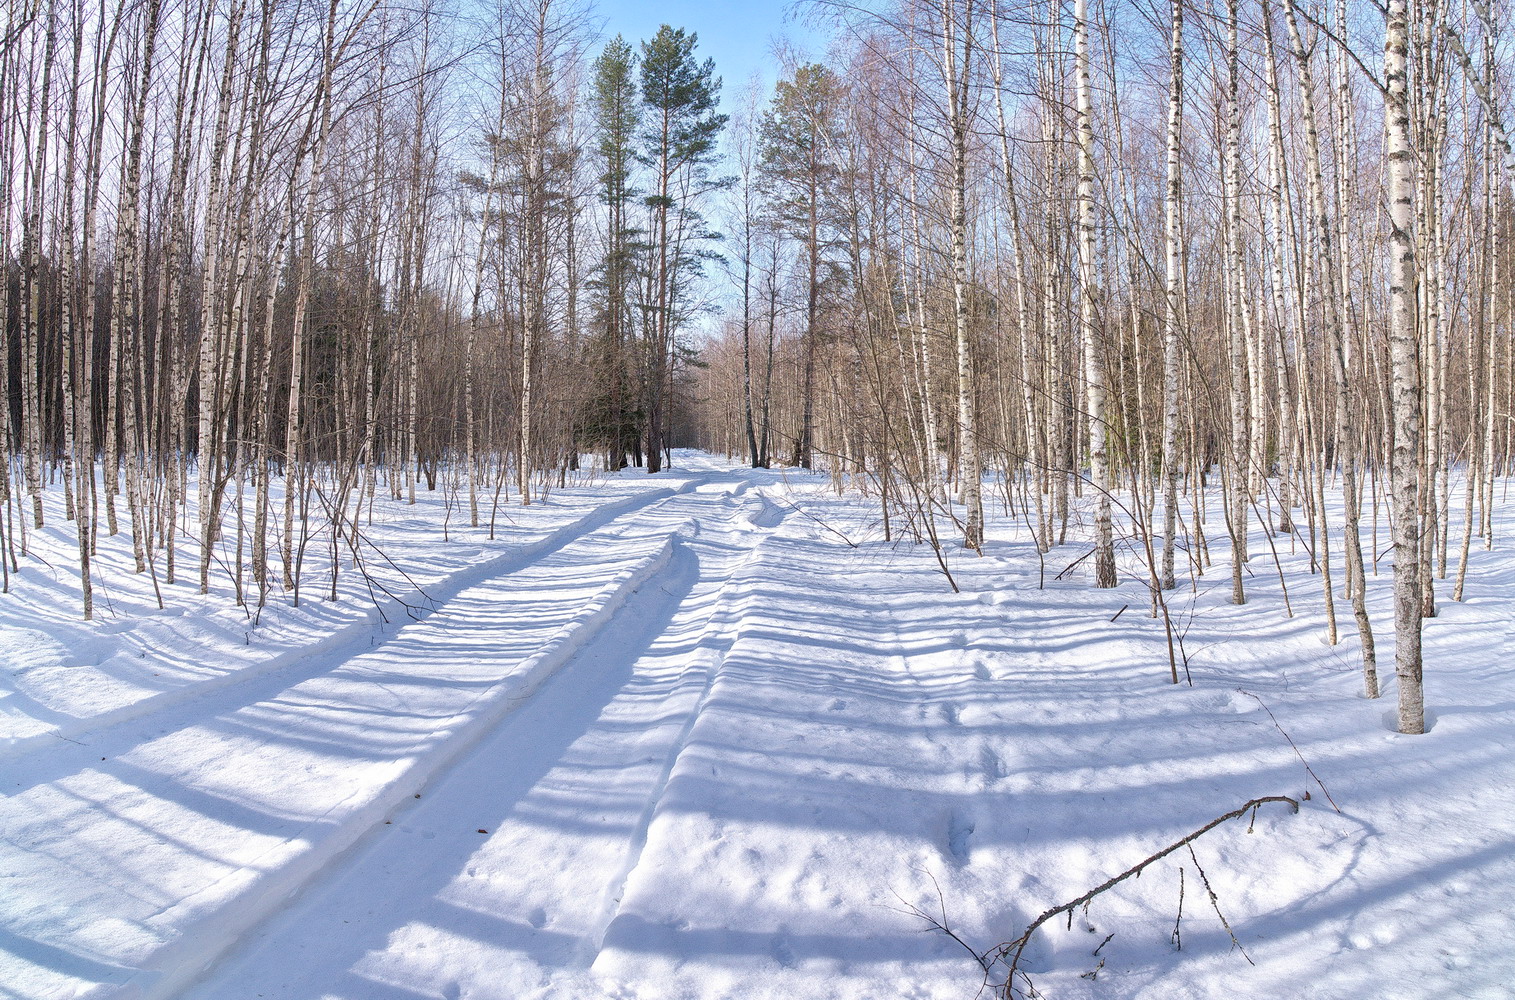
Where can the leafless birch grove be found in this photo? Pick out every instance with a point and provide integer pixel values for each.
(269, 262)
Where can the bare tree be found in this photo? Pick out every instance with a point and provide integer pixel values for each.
(1404, 469)
(1089, 329)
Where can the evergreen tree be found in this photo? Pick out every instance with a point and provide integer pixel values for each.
(797, 133)
(680, 127)
(615, 414)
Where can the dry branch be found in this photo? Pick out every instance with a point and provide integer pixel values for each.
(1013, 950)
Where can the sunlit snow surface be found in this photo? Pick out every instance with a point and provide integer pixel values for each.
(708, 735)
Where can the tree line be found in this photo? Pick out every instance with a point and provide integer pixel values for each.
(1104, 255)
(265, 260)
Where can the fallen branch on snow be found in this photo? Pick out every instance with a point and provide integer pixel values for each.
(1009, 954)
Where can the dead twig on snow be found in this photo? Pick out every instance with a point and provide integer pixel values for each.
(1308, 768)
(1009, 954)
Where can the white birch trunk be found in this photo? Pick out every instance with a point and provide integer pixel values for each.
(1405, 367)
(1237, 481)
(1173, 289)
(956, 75)
(1094, 362)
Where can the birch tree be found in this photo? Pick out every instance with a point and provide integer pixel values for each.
(1405, 488)
(1093, 359)
(1173, 289)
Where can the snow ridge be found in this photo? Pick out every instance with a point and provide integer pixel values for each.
(722, 631)
(346, 640)
(166, 972)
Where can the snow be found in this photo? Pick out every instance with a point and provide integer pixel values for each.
(706, 735)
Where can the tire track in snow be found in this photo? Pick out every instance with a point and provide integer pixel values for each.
(115, 736)
(958, 825)
(591, 718)
(344, 642)
(720, 634)
(140, 868)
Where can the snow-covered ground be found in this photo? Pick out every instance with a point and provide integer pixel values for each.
(705, 735)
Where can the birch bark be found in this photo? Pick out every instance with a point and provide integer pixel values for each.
(1405, 488)
(1094, 363)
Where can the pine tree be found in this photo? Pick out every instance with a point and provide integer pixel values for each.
(795, 138)
(679, 132)
(616, 114)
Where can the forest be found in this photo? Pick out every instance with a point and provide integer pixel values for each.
(1000, 501)
(265, 259)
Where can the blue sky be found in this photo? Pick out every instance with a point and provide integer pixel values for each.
(738, 35)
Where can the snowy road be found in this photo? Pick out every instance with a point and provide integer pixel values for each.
(135, 861)
(514, 867)
(704, 736)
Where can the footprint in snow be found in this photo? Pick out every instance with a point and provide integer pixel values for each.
(950, 715)
(990, 764)
(839, 705)
(959, 834)
(782, 953)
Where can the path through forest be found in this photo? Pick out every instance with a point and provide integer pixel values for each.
(711, 737)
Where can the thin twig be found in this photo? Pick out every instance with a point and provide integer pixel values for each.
(1073, 565)
(1014, 949)
(1308, 768)
(941, 925)
(796, 507)
(1178, 940)
(1215, 903)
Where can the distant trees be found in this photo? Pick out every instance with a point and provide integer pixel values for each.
(655, 127)
(798, 143)
(536, 214)
(266, 259)
(1124, 326)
